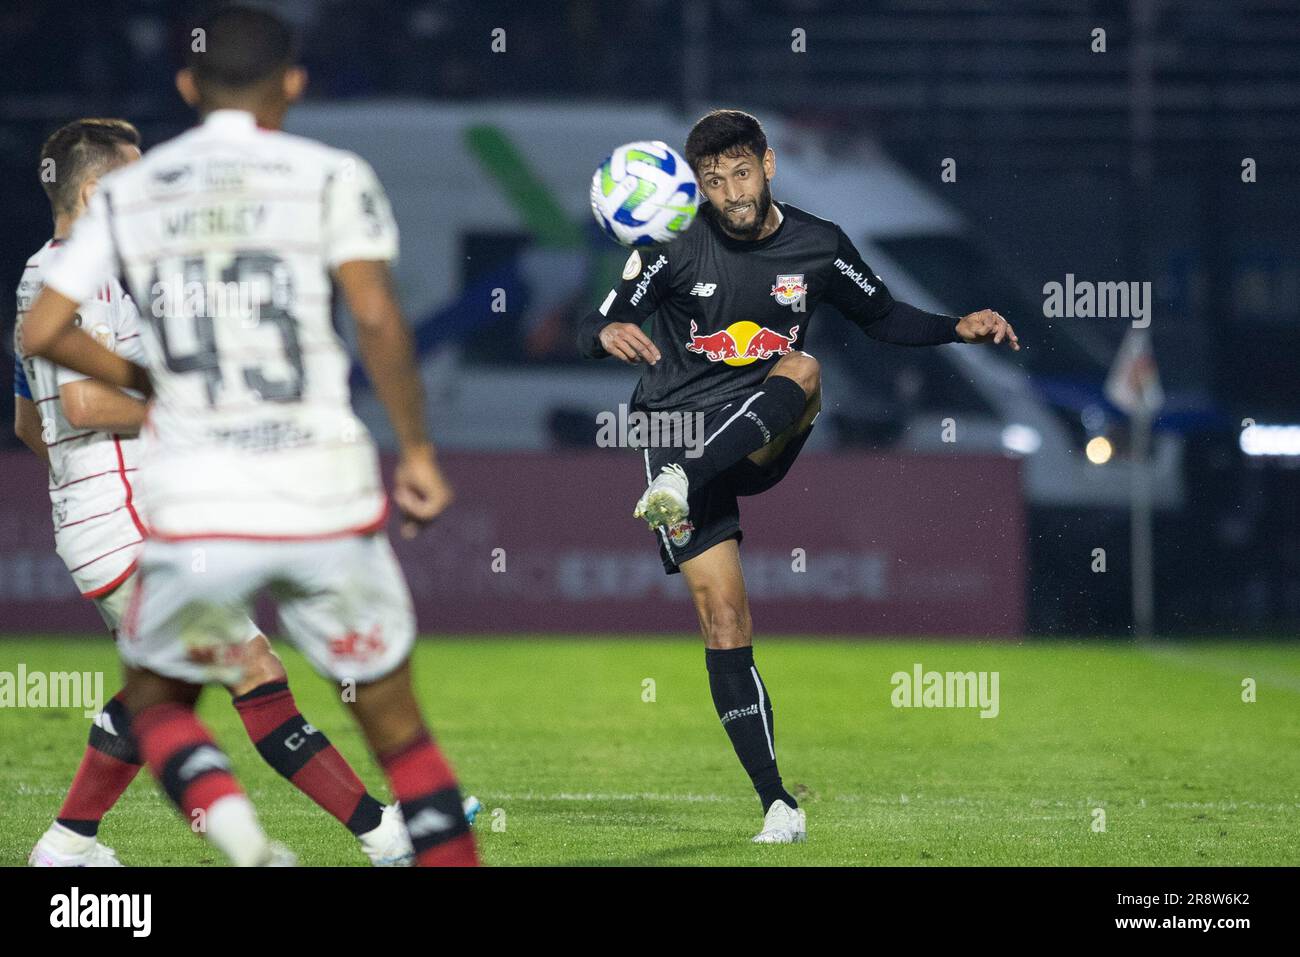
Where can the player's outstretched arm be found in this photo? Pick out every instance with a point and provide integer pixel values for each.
(88, 404)
(854, 288)
(49, 331)
(419, 489)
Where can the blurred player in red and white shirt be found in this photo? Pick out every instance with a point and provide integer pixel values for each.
(86, 432)
(255, 475)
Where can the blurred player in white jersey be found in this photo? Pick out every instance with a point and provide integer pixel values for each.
(86, 432)
(255, 475)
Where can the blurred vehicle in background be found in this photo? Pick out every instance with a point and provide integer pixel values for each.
(501, 258)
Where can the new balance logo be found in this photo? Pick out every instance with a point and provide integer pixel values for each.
(703, 288)
(428, 822)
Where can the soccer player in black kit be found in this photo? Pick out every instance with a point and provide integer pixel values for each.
(728, 305)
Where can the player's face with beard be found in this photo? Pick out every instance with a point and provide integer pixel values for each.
(740, 192)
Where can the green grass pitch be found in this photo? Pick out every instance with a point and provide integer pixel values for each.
(575, 768)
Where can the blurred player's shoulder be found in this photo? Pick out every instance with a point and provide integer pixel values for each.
(228, 151)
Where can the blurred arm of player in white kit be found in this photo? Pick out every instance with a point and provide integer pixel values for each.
(87, 404)
(358, 207)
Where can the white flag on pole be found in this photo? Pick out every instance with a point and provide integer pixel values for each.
(1134, 382)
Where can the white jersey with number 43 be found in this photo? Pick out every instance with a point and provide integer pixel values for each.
(227, 236)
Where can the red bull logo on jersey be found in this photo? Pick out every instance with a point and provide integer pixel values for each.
(790, 289)
(741, 343)
(680, 534)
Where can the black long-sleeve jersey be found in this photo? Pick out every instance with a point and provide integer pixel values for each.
(722, 310)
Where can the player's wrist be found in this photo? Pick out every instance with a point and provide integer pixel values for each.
(416, 449)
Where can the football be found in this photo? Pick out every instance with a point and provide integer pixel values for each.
(644, 194)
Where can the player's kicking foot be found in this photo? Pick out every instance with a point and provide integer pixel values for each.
(277, 855)
(389, 845)
(62, 847)
(783, 825)
(471, 806)
(664, 503)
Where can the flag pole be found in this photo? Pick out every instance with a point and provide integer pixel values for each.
(1140, 525)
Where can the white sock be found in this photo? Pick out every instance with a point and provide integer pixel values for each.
(233, 828)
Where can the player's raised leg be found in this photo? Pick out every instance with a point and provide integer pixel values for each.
(717, 588)
(805, 370)
(789, 397)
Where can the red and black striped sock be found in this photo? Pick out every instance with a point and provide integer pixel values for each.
(303, 754)
(426, 789)
(195, 774)
(180, 752)
(110, 764)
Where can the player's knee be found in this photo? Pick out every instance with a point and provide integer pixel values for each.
(726, 625)
(803, 369)
(144, 689)
(261, 664)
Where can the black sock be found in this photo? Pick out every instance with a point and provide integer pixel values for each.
(746, 712)
(749, 425)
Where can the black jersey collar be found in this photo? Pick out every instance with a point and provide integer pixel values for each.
(742, 244)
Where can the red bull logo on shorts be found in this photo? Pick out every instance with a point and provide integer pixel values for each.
(680, 533)
(741, 343)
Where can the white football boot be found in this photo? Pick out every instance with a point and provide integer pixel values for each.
(277, 855)
(471, 806)
(389, 845)
(783, 825)
(664, 503)
(61, 847)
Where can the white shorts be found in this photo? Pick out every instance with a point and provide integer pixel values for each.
(343, 602)
(112, 607)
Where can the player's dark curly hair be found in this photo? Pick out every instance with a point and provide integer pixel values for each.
(724, 133)
(81, 149)
(239, 46)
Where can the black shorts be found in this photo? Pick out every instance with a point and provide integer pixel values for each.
(714, 512)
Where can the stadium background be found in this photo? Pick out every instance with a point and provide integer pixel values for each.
(1116, 166)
